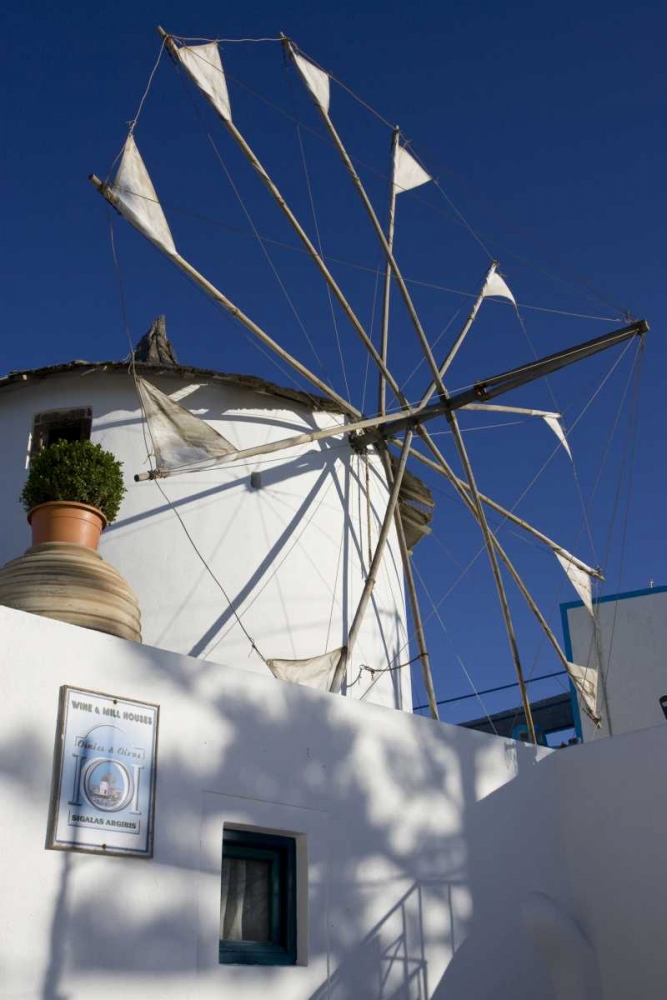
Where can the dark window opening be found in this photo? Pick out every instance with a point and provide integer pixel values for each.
(258, 899)
(60, 425)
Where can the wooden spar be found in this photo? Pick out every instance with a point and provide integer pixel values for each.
(536, 611)
(497, 408)
(338, 143)
(346, 653)
(510, 515)
(489, 388)
(460, 488)
(461, 337)
(420, 634)
(300, 231)
(327, 432)
(283, 444)
(508, 381)
(427, 676)
(387, 274)
(459, 442)
(237, 313)
(495, 568)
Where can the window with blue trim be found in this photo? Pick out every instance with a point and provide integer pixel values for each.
(258, 899)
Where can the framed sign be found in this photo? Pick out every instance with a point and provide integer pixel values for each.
(103, 797)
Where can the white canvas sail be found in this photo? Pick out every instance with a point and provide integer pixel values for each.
(315, 79)
(497, 287)
(579, 579)
(408, 173)
(179, 438)
(554, 423)
(316, 672)
(585, 680)
(202, 64)
(135, 198)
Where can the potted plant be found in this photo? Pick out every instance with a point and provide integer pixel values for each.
(73, 490)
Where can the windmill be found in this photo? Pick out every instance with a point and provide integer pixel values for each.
(391, 432)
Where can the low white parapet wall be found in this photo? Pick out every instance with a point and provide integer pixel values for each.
(417, 841)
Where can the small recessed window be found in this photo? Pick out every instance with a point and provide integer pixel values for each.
(60, 425)
(258, 899)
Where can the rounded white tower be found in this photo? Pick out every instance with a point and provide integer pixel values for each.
(258, 559)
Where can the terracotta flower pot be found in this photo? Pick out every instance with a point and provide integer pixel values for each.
(67, 521)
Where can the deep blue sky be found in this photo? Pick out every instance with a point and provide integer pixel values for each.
(544, 124)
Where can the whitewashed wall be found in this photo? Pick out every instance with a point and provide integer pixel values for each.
(420, 843)
(415, 846)
(633, 640)
(613, 818)
(292, 556)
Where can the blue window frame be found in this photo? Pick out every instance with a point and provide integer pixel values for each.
(258, 899)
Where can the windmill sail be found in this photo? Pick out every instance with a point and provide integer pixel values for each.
(182, 442)
(202, 64)
(554, 423)
(579, 579)
(315, 672)
(585, 680)
(135, 198)
(316, 80)
(408, 173)
(179, 438)
(497, 287)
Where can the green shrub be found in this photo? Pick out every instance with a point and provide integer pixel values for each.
(78, 471)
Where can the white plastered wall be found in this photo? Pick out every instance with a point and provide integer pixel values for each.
(291, 556)
(418, 842)
(612, 818)
(633, 641)
(409, 854)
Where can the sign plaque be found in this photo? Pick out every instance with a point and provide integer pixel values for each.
(103, 796)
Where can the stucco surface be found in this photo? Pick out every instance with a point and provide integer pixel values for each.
(290, 557)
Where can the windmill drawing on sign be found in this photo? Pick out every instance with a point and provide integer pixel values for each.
(398, 431)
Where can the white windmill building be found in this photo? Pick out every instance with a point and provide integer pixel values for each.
(256, 560)
(293, 842)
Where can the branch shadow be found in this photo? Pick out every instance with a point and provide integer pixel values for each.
(414, 901)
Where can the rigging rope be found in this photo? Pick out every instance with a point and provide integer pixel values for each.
(251, 222)
(202, 558)
(145, 428)
(196, 38)
(437, 340)
(482, 549)
(558, 447)
(304, 524)
(557, 407)
(484, 427)
(621, 312)
(631, 442)
(348, 90)
(584, 283)
(295, 248)
(257, 236)
(311, 199)
(132, 124)
(437, 614)
(595, 642)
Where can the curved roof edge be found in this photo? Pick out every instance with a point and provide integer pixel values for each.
(311, 401)
(416, 499)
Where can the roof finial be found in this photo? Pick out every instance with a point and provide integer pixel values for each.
(155, 348)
